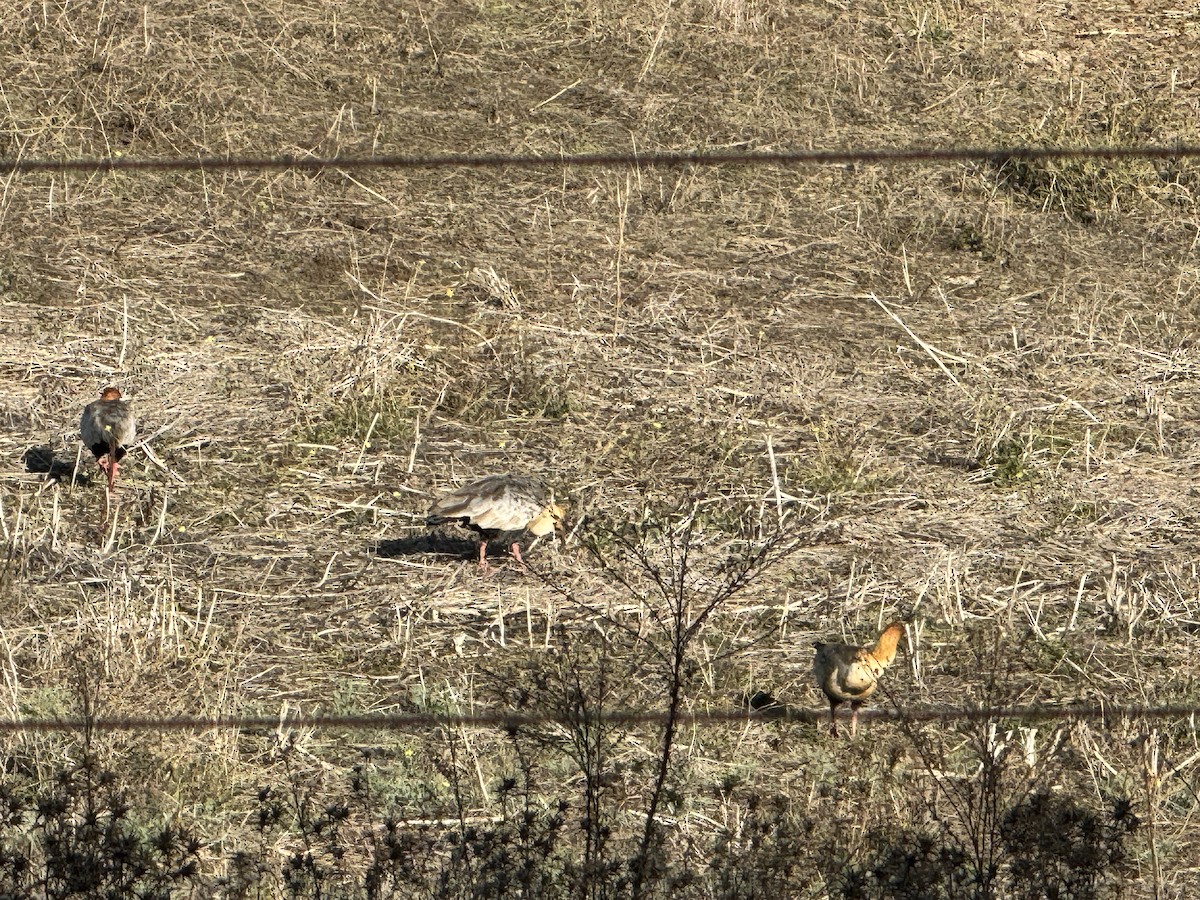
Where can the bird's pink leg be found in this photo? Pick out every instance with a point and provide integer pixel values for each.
(483, 563)
(112, 475)
(516, 552)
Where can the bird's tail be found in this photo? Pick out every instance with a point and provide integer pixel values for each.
(113, 445)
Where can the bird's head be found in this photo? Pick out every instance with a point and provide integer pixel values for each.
(110, 393)
(548, 520)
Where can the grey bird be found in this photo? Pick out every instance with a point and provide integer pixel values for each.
(108, 428)
(500, 507)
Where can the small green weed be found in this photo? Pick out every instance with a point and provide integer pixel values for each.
(521, 391)
(1087, 190)
(837, 468)
(1020, 458)
(968, 238)
(1073, 512)
(380, 418)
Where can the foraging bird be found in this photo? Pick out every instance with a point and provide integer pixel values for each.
(849, 674)
(108, 427)
(500, 507)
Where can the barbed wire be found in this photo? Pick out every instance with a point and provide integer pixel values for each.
(509, 720)
(672, 159)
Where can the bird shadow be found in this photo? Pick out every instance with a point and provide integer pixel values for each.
(40, 460)
(763, 704)
(433, 544)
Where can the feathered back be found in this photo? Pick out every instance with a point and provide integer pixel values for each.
(500, 503)
(108, 424)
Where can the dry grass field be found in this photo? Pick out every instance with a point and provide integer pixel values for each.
(967, 392)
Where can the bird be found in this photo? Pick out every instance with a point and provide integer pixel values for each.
(107, 428)
(500, 507)
(850, 674)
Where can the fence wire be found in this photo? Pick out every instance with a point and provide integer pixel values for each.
(499, 719)
(883, 156)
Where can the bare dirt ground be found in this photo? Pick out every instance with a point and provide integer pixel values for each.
(973, 386)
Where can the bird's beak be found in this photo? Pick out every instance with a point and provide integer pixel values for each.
(560, 529)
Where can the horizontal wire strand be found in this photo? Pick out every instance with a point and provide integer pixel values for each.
(509, 721)
(674, 159)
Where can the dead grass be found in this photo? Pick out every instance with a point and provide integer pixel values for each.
(314, 356)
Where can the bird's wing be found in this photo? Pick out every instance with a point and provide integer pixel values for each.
(118, 421)
(127, 431)
(503, 513)
(90, 432)
(861, 672)
(860, 680)
(498, 502)
(843, 671)
(489, 513)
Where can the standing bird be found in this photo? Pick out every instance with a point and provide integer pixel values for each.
(108, 427)
(500, 507)
(850, 674)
